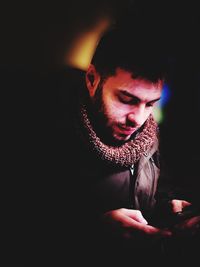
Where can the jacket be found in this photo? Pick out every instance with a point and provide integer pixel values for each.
(86, 187)
(113, 187)
(106, 187)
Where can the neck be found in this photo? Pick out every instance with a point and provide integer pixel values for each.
(125, 155)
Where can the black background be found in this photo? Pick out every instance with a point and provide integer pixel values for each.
(34, 41)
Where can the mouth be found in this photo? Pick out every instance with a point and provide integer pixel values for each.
(127, 130)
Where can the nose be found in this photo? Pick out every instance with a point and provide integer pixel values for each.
(137, 117)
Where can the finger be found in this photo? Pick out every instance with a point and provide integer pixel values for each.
(178, 205)
(189, 223)
(136, 215)
(185, 203)
(147, 229)
(151, 230)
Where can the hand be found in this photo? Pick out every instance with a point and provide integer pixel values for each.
(188, 227)
(178, 205)
(130, 224)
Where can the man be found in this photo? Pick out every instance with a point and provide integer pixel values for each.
(109, 149)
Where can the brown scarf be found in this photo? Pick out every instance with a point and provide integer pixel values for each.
(125, 155)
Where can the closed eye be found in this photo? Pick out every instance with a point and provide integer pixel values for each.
(126, 98)
(152, 103)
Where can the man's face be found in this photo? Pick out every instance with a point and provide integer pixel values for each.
(125, 103)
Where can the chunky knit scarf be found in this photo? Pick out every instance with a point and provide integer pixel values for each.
(125, 155)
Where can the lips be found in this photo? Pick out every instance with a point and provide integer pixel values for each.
(127, 130)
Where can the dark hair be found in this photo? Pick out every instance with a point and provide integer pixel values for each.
(132, 50)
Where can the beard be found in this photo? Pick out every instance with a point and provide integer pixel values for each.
(99, 116)
(102, 122)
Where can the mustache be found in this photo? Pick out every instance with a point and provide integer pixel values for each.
(128, 127)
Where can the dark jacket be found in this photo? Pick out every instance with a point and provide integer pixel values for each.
(86, 187)
(111, 187)
(90, 187)
(108, 187)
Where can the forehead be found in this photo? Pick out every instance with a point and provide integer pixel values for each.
(124, 79)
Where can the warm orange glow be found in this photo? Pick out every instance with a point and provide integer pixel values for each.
(80, 53)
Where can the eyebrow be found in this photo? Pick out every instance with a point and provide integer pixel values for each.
(137, 98)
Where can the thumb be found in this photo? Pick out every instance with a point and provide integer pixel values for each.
(178, 205)
(136, 215)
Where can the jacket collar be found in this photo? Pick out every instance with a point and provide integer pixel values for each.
(147, 155)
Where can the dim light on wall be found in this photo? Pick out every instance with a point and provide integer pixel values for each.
(84, 44)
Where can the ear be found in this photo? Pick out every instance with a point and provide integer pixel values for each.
(92, 79)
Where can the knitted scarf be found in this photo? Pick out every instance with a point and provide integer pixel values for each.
(125, 155)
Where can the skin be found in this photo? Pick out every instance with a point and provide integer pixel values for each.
(189, 226)
(125, 103)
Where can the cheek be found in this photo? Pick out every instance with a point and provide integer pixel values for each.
(115, 111)
(147, 113)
